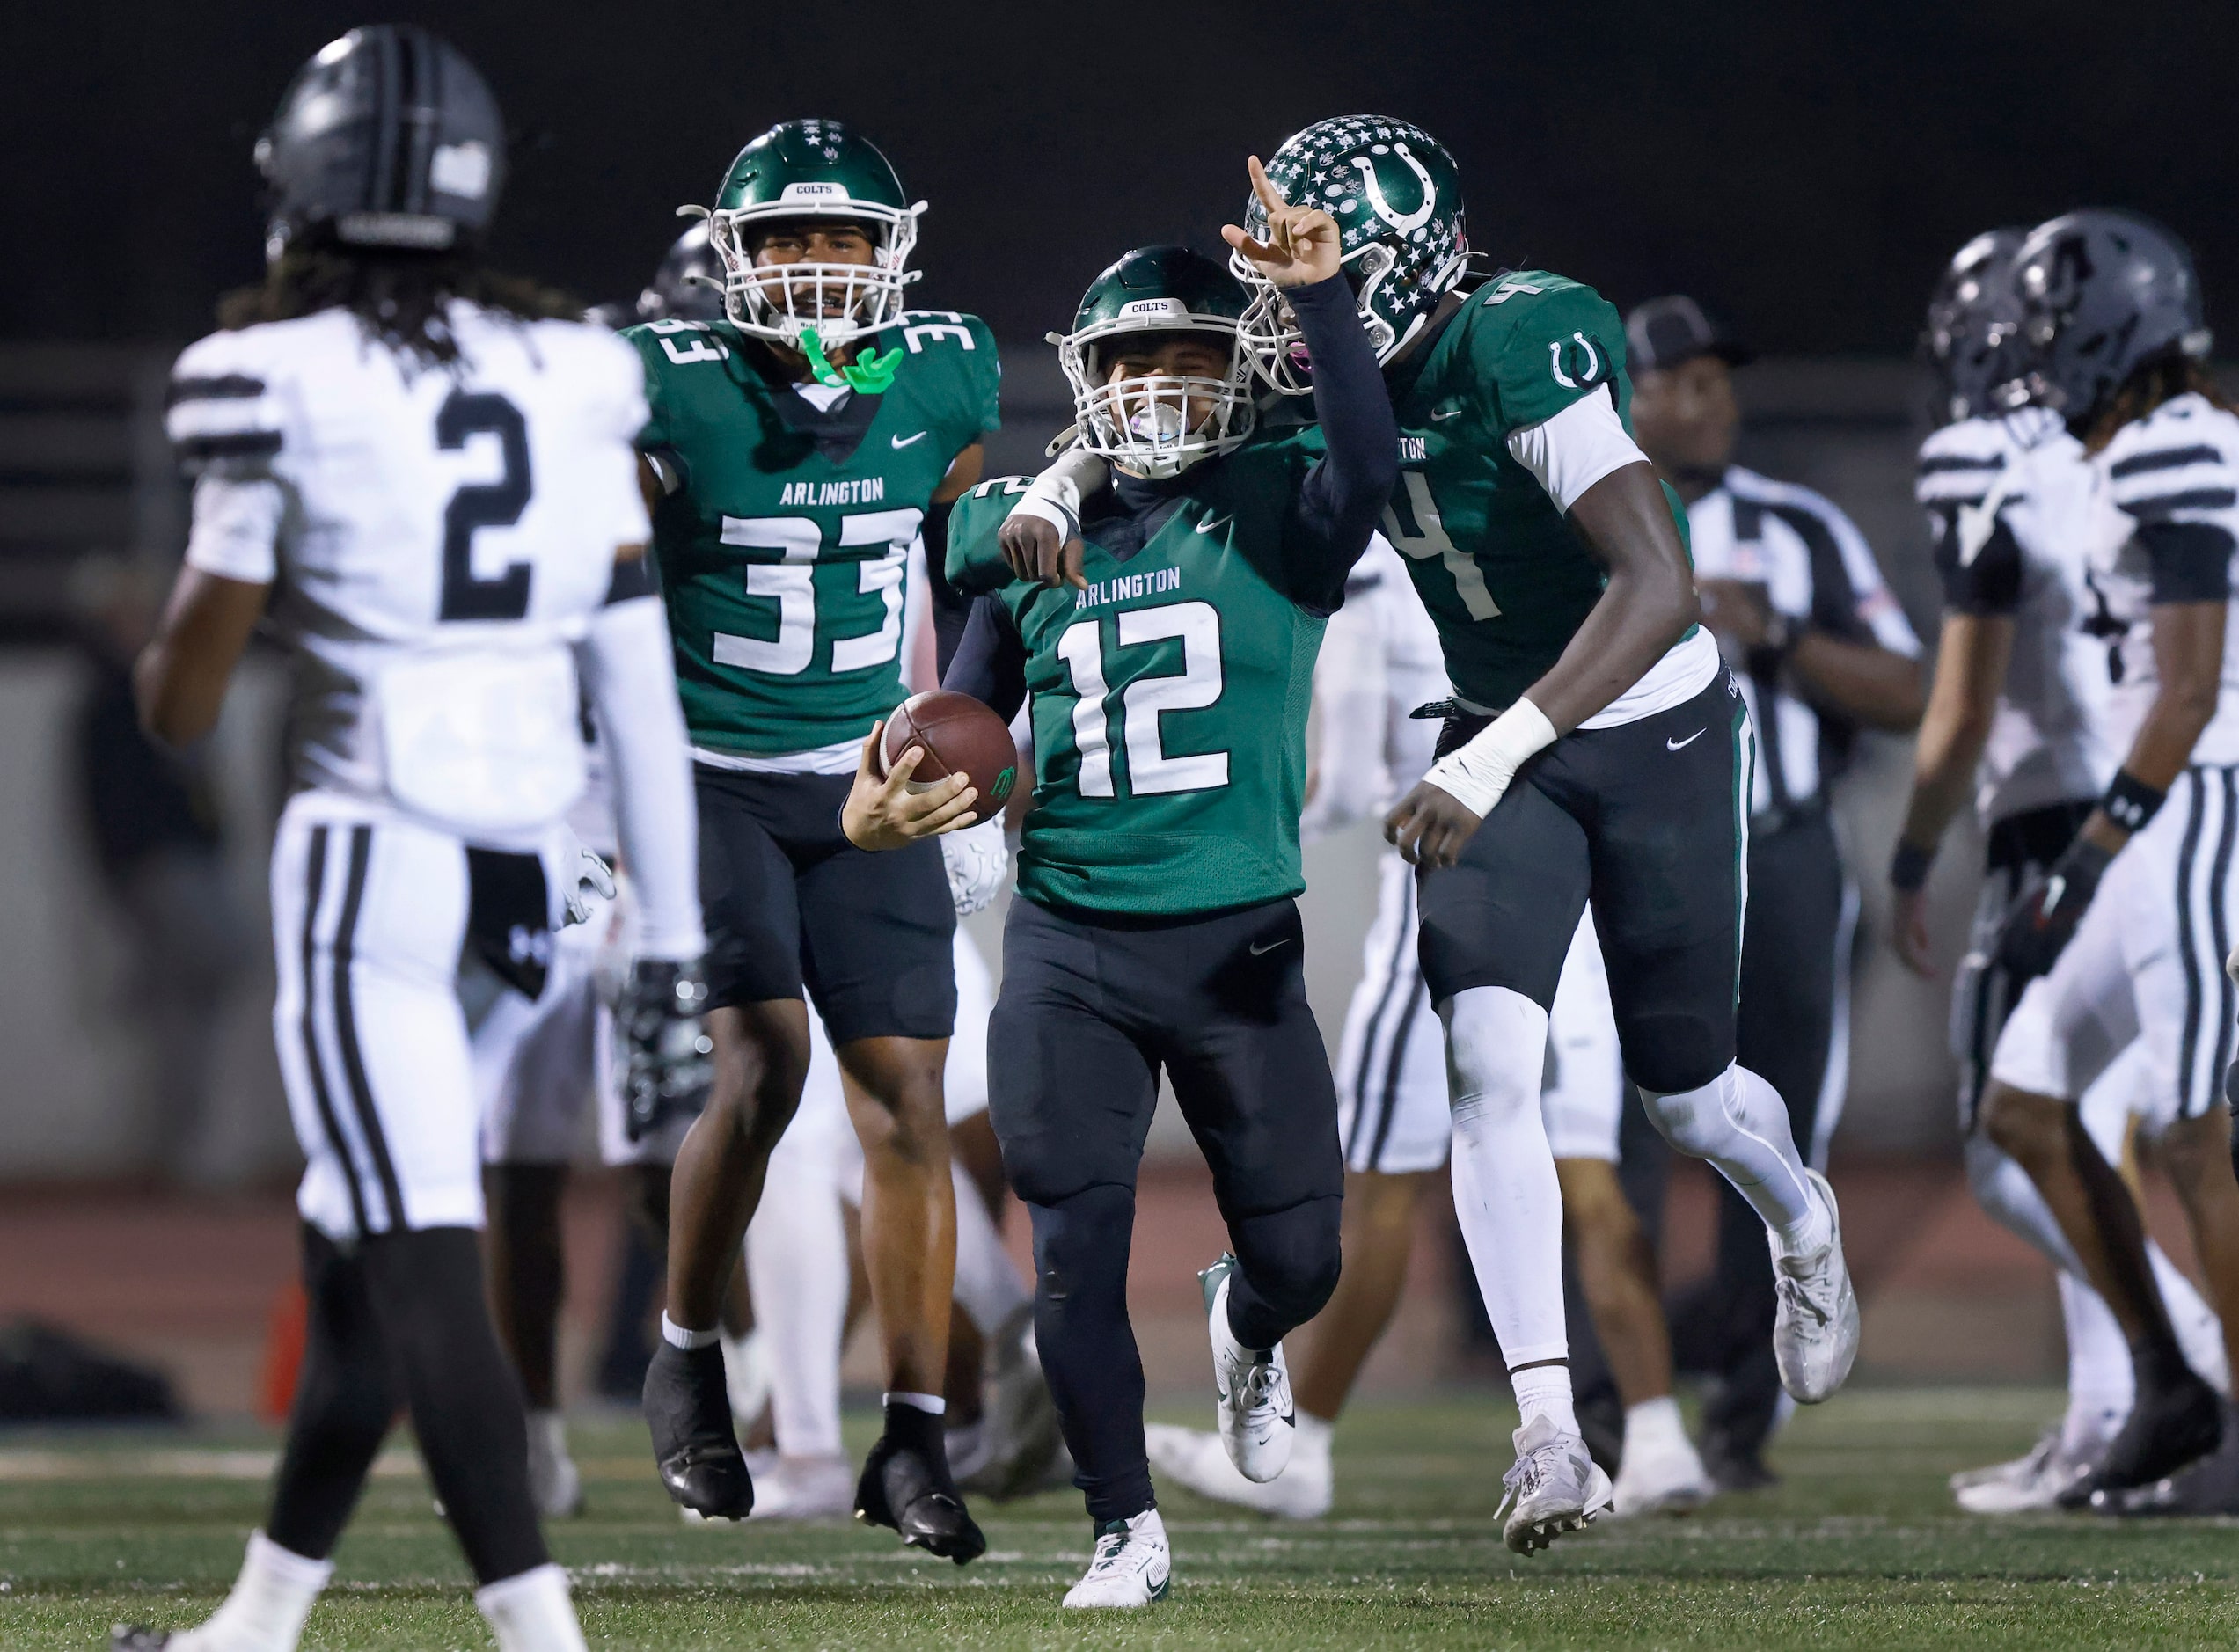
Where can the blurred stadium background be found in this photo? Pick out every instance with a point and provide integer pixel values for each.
(145, 1156)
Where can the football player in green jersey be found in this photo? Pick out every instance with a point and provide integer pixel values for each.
(1595, 750)
(1171, 669)
(797, 449)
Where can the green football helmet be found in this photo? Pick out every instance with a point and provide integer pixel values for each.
(1396, 195)
(1162, 424)
(812, 169)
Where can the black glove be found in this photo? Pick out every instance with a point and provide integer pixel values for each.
(2043, 920)
(666, 1057)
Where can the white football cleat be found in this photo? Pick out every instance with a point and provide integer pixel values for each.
(1667, 1477)
(1815, 1329)
(1252, 1407)
(2029, 1483)
(1198, 1460)
(1132, 1567)
(554, 1484)
(805, 1488)
(1556, 1487)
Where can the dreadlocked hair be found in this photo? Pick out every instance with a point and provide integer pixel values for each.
(399, 296)
(2157, 379)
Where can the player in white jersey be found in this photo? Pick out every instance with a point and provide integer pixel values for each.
(2111, 319)
(2017, 719)
(1379, 661)
(426, 488)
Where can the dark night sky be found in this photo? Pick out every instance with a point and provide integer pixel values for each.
(1804, 167)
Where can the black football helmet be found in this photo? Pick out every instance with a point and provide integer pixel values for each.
(688, 284)
(2100, 292)
(1974, 325)
(388, 138)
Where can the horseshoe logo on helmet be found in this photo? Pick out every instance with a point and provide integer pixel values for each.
(1405, 222)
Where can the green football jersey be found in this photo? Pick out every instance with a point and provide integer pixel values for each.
(1170, 696)
(1500, 570)
(784, 545)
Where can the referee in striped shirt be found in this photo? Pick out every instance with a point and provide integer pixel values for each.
(1821, 649)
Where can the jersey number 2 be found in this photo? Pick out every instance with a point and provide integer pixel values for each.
(478, 505)
(1150, 770)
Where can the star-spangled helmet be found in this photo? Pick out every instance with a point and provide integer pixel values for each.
(688, 284)
(1974, 325)
(387, 137)
(1144, 424)
(802, 170)
(2101, 292)
(1396, 195)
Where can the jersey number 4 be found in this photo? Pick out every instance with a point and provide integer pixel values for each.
(1150, 770)
(478, 505)
(1412, 523)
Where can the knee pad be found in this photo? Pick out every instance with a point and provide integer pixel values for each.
(1292, 1256)
(1081, 1246)
(1497, 1055)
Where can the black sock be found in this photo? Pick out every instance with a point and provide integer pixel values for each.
(465, 1405)
(344, 1405)
(917, 1428)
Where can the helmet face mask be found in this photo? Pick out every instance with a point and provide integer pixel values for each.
(1396, 195)
(795, 174)
(1158, 423)
(1971, 340)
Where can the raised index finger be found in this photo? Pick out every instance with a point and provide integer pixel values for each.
(1263, 187)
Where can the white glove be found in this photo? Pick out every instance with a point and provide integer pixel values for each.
(977, 858)
(584, 874)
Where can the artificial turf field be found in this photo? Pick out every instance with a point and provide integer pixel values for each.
(1859, 1546)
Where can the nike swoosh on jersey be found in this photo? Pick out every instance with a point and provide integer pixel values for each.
(1676, 745)
(1438, 414)
(903, 441)
(1214, 525)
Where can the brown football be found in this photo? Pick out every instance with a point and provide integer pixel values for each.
(960, 735)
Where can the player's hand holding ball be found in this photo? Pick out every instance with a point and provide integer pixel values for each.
(960, 747)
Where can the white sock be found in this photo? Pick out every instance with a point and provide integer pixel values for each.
(2101, 1381)
(1505, 1193)
(676, 1336)
(548, 1429)
(269, 1601)
(2003, 1188)
(1314, 1435)
(1544, 1391)
(2198, 1332)
(1738, 1124)
(988, 1286)
(531, 1612)
(931, 1404)
(1654, 1425)
(796, 1266)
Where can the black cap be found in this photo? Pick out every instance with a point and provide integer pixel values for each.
(1663, 333)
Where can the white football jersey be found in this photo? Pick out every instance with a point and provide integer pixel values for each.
(437, 537)
(1380, 659)
(2161, 521)
(1820, 573)
(2007, 499)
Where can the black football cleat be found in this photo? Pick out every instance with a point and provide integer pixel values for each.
(137, 1637)
(906, 1490)
(2209, 1486)
(2171, 1425)
(688, 1408)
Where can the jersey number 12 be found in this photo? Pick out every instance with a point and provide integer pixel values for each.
(1150, 770)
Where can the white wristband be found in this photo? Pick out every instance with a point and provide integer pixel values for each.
(1056, 495)
(1476, 774)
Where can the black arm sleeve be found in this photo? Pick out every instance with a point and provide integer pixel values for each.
(951, 607)
(991, 660)
(1337, 507)
(2190, 560)
(1989, 586)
